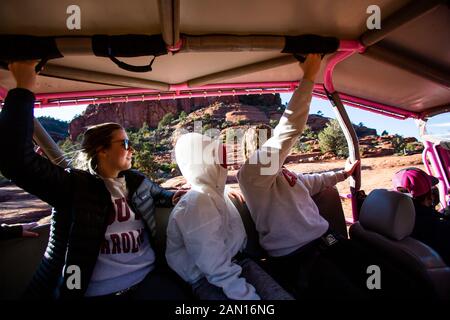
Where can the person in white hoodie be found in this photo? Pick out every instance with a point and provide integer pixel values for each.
(205, 232)
(287, 219)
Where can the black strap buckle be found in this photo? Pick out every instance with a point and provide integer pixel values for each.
(129, 67)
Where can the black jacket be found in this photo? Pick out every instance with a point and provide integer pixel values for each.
(80, 200)
(9, 232)
(433, 230)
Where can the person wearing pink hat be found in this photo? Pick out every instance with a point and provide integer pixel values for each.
(430, 226)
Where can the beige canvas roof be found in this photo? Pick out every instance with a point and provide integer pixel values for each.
(409, 68)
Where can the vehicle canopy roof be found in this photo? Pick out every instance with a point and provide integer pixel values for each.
(407, 68)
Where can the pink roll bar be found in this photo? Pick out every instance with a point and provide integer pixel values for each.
(440, 172)
(3, 93)
(161, 96)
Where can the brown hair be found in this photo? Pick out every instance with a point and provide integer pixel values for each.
(96, 137)
(251, 141)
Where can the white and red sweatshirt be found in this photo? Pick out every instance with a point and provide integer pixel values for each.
(126, 256)
(280, 202)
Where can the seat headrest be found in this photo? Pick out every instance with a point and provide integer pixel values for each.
(389, 213)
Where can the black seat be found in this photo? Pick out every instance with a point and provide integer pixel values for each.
(330, 208)
(19, 260)
(386, 221)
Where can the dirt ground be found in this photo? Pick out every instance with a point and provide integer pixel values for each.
(375, 173)
(17, 206)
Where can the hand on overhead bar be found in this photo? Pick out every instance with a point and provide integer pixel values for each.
(311, 66)
(24, 72)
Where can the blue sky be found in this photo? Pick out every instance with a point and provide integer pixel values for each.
(62, 113)
(406, 128)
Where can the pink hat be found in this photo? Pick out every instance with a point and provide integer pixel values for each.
(416, 181)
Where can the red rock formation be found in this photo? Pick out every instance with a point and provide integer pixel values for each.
(316, 122)
(134, 114)
(248, 114)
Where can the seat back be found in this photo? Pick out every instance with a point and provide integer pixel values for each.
(386, 221)
(253, 248)
(19, 260)
(330, 208)
(162, 220)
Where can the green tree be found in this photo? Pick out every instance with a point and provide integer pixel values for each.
(398, 144)
(166, 120)
(273, 123)
(413, 147)
(302, 147)
(3, 179)
(385, 133)
(206, 119)
(145, 162)
(58, 129)
(320, 113)
(332, 139)
(308, 133)
(183, 115)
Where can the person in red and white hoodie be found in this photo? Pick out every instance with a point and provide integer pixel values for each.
(305, 255)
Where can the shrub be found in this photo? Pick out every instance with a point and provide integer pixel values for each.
(302, 147)
(308, 133)
(226, 124)
(332, 139)
(144, 162)
(3, 179)
(182, 116)
(273, 123)
(413, 147)
(398, 144)
(166, 120)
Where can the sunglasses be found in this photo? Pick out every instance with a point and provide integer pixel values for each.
(125, 143)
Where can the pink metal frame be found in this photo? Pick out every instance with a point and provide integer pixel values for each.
(48, 100)
(371, 106)
(347, 49)
(3, 93)
(438, 164)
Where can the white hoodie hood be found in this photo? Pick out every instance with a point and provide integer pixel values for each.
(205, 231)
(198, 158)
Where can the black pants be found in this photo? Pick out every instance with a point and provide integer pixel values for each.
(324, 270)
(264, 284)
(159, 284)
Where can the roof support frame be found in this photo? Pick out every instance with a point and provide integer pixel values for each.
(169, 17)
(388, 54)
(242, 70)
(61, 72)
(408, 13)
(48, 145)
(376, 49)
(353, 147)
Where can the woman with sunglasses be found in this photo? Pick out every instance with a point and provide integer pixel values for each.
(103, 218)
